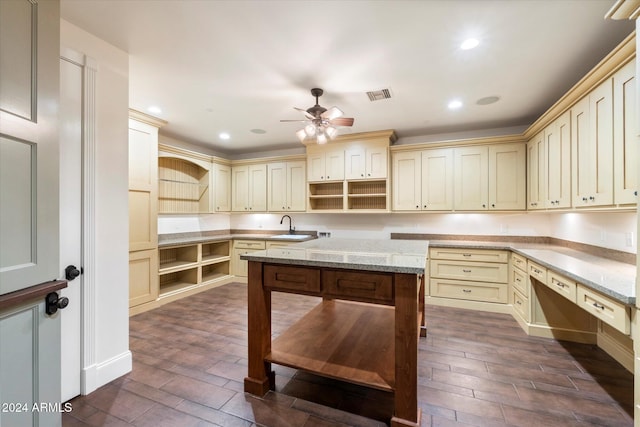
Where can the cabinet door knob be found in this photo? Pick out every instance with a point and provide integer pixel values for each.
(484, 206)
(424, 206)
(417, 206)
(493, 205)
(328, 177)
(361, 174)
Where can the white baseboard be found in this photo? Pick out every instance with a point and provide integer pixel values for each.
(95, 376)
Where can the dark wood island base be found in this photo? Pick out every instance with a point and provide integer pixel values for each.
(365, 331)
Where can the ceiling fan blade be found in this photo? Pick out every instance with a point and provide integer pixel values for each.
(332, 113)
(298, 121)
(342, 121)
(305, 112)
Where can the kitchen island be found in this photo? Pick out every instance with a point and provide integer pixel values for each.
(365, 330)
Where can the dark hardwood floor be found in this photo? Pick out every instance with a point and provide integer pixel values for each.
(480, 369)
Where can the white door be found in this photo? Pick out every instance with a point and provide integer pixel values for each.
(29, 337)
(71, 95)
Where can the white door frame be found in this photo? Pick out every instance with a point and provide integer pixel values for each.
(88, 375)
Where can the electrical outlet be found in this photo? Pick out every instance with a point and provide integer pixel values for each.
(603, 236)
(324, 234)
(628, 237)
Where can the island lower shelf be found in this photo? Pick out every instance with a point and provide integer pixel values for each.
(348, 341)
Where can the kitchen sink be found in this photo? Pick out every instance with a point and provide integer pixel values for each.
(291, 236)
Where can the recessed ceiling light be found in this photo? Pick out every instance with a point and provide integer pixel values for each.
(224, 135)
(258, 131)
(154, 109)
(454, 104)
(469, 44)
(488, 100)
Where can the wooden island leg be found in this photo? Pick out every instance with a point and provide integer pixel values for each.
(260, 378)
(406, 412)
(423, 323)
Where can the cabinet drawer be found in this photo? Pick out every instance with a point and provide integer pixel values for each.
(472, 291)
(538, 272)
(565, 287)
(604, 308)
(285, 278)
(249, 244)
(475, 271)
(519, 262)
(481, 255)
(520, 305)
(519, 281)
(372, 287)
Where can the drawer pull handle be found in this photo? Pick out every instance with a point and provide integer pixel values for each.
(598, 306)
(466, 271)
(467, 255)
(560, 284)
(466, 291)
(518, 280)
(519, 302)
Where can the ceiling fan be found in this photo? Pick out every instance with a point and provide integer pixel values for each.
(321, 123)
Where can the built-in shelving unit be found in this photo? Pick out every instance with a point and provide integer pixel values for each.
(183, 187)
(191, 267)
(326, 196)
(367, 195)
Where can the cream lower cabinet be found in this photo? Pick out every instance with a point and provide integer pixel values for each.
(240, 267)
(423, 180)
(286, 187)
(143, 277)
(519, 279)
(469, 274)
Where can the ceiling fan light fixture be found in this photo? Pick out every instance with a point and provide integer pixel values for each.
(310, 129)
(321, 138)
(331, 132)
(301, 134)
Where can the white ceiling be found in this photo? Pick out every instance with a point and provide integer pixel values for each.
(232, 66)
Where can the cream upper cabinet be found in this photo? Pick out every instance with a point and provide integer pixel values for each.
(625, 135)
(325, 166)
(222, 188)
(507, 177)
(249, 188)
(592, 148)
(536, 172)
(366, 163)
(286, 186)
(471, 177)
(490, 177)
(423, 180)
(437, 179)
(557, 158)
(406, 169)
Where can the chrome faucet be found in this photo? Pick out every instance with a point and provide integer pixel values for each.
(291, 229)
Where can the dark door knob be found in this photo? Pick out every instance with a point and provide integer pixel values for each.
(71, 272)
(53, 302)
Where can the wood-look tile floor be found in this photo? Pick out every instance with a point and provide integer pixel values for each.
(480, 369)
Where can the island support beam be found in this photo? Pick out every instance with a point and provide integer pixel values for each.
(406, 412)
(261, 378)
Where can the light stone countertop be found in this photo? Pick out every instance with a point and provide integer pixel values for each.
(187, 239)
(613, 278)
(396, 256)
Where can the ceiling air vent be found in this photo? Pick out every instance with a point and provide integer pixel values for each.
(377, 95)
